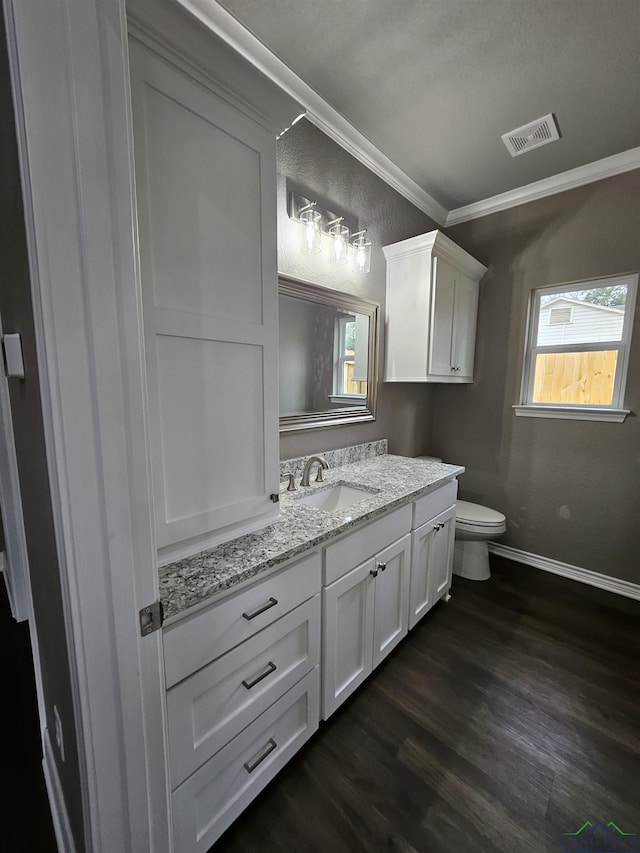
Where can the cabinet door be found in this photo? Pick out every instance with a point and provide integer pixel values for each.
(464, 326)
(442, 552)
(391, 621)
(205, 179)
(407, 331)
(347, 635)
(431, 563)
(442, 314)
(421, 589)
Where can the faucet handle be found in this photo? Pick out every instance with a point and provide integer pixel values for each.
(292, 485)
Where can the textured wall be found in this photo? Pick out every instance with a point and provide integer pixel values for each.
(313, 164)
(570, 489)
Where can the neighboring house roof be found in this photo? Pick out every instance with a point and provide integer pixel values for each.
(617, 309)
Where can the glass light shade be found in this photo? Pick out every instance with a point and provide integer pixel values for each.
(361, 254)
(311, 233)
(339, 243)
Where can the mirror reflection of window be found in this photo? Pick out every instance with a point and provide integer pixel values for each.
(350, 354)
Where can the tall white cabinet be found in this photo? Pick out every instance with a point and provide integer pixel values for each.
(205, 183)
(432, 301)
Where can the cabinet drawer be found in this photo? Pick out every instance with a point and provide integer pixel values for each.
(211, 707)
(203, 637)
(433, 503)
(209, 800)
(354, 548)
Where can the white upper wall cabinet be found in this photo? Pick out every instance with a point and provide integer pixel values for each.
(206, 182)
(432, 301)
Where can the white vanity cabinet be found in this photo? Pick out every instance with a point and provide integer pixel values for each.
(364, 618)
(364, 602)
(243, 680)
(249, 677)
(432, 300)
(432, 541)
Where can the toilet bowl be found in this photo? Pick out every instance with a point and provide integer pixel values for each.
(475, 526)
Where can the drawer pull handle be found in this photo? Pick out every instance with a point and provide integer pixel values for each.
(271, 603)
(250, 766)
(382, 566)
(270, 667)
(373, 573)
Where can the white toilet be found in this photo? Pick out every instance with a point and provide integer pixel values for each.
(475, 526)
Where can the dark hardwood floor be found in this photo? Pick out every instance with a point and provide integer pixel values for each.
(509, 716)
(25, 818)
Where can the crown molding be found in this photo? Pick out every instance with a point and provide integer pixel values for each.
(441, 246)
(325, 117)
(596, 171)
(318, 111)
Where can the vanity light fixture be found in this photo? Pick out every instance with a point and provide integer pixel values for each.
(310, 219)
(315, 221)
(339, 234)
(361, 248)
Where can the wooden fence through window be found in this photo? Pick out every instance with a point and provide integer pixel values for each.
(575, 377)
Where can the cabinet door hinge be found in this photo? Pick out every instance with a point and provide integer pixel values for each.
(151, 618)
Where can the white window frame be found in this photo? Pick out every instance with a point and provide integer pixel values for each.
(614, 413)
(339, 394)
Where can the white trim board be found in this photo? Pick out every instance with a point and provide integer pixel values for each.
(596, 171)
(318, 111)
(331, 122)
(70, 60)
(59, 815)
(566, 570)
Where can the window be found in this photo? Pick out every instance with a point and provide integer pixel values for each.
(346, 383)
(577, 350)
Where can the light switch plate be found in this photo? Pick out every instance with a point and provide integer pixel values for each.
(13, 356)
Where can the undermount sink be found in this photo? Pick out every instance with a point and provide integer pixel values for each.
(338, 496)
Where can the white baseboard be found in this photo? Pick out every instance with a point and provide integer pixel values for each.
(59, 815)
(606, 582)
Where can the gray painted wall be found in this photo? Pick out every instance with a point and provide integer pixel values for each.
(17, 316)
(570, 489)
(316, 166)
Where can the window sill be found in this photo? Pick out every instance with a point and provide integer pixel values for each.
(348, 398)
(572, 413)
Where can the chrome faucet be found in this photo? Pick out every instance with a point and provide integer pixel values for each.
(307, 469)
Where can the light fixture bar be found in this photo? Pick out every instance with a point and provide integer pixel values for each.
(296, 202)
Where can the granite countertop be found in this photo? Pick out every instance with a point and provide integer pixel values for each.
(394, 480)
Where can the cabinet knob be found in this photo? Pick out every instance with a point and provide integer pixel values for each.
(373, 573)
(382, 566)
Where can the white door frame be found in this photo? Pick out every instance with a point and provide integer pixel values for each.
(69, 70)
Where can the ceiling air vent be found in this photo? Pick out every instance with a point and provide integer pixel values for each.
(532, 135)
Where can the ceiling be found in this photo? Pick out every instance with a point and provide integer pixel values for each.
(433, 84)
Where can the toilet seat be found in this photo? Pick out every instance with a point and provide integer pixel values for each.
(472, 517)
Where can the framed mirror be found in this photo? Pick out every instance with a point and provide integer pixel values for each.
(328, 356)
